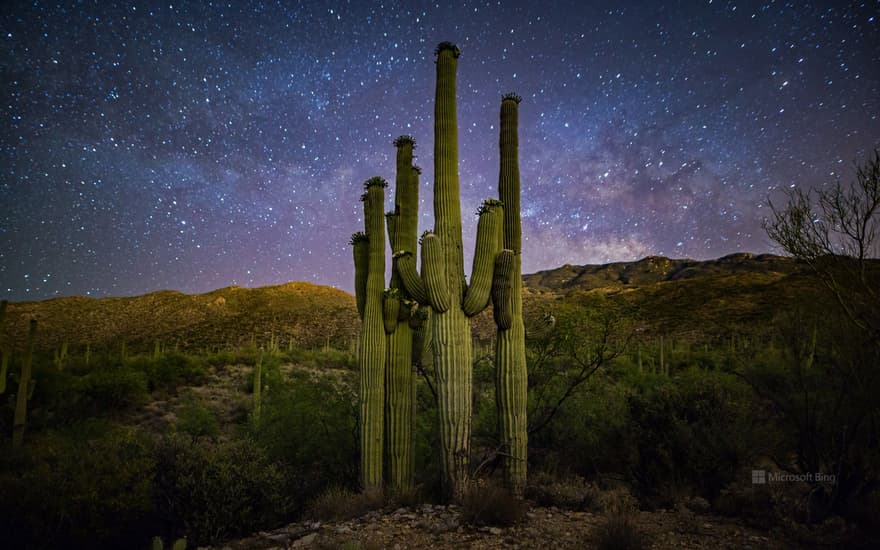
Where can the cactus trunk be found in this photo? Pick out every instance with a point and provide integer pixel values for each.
(21, 396)
(399, 381)
(510, 356)
(371, 356)
(451, 331)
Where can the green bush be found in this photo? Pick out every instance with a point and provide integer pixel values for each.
(89, 486)
(311, 425)
(213, 491)
(692, 434)
(196, 420)
(112, 388)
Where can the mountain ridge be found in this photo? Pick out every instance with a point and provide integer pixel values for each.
(308, 315)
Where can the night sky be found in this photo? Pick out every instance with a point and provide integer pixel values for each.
(193, 146)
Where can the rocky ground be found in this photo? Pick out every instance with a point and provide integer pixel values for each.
(434, 526)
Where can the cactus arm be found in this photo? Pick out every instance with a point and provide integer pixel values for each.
(391, 220)
(361, 249)
(434, 270)
(405, 265)
(501, 289)
(21, 395)
(488, 228)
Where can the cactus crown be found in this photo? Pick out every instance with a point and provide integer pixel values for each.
(364, 197)
(375, 181)
(401, 253)
(405, 139)
(511, 96)
(488, 205)
(390, 214)
(425, 234)
(447, 46)
(417, 169)
(359, 237)
(393, 293)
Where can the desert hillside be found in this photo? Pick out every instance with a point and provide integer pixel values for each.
(698, 299)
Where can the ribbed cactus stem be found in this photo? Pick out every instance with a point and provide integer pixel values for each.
(511, 386)
(502, 288)
(451, 335)
(361, 249)
(434, 272)
(405, 265)
(391, 310)
(21, 395)
(488, 244)
(400, 408)
(371, 355)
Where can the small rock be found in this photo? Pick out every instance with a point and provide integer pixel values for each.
(304, 541)
(495, 531)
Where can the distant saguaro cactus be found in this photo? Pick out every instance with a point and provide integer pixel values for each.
(25, 388)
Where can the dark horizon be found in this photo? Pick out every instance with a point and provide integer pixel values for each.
(193, 148)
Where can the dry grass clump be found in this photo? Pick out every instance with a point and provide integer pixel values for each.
(572, 493)
(620, 532)
(489, 504)
(339, 503)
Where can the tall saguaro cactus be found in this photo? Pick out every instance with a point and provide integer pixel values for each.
(511, 377)
(442, 281)
(400, 384)
(371, 354)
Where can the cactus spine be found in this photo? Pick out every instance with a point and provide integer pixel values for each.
(24, 388)
(399, 381)
(511, 377)
(371, 353)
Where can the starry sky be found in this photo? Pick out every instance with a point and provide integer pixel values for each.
(196, 145)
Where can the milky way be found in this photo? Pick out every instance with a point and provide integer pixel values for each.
(197, 146)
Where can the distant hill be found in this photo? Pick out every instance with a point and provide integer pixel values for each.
(706, 299)
(307, 314)
(655, 269)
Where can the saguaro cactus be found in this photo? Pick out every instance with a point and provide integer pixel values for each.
(511, 378)
(371, 353)
(24, 390)
(399, 381)
(442, 281)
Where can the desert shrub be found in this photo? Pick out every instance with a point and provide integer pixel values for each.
(196, 420)
(89, 486)
(169, 370)
(339, 503)
(212, 491)
(591, 433)
(619, 531)
(311, 425)
(571, 493)
(491, 504)
(692, 434)
(112, 388)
